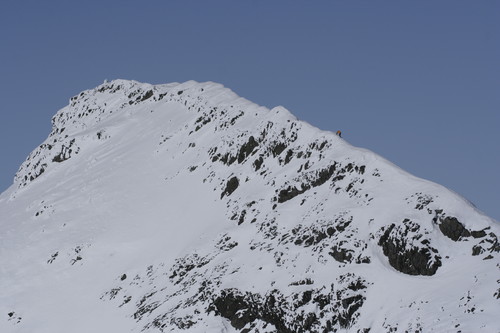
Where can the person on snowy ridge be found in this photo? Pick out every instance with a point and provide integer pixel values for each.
(339, 133)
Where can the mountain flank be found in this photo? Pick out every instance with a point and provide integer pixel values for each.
(185, 208)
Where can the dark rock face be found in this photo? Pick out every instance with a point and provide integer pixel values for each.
(319, 178)
(231, 186)
(315, 234)
(453, 229)
(247, 148)
(278, 148)
(147, 95)
(335, 239)
(406, 252)
(489, 244)
(65, 153)
(423, 200)
(258, 163)
(309, 180)
(235, 307)
(288, 193)
(456, 231)
(477, 250)
(41, 159)
(337, 309)
(478, 234)
(341, 255)
(202, 121)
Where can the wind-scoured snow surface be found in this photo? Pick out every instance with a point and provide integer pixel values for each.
(185, 208)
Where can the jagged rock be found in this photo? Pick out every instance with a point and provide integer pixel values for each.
(231, 186)
(247, 149)
(287, 314)
(453, 229)
(341, 255)
(478, 234)
(405, 254)
(288, 193)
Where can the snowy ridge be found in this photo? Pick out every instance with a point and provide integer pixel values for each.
(184, 207)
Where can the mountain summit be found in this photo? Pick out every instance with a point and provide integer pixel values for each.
(185, 208)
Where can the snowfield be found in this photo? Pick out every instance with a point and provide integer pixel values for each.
(186, 208)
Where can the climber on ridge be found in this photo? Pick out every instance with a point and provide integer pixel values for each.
(339, 133)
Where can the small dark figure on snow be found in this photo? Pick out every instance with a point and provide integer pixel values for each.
(339, 133)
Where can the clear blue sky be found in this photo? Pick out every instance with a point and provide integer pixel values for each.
(415, 81)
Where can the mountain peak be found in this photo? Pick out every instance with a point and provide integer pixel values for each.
(184, 207)
(117, 99)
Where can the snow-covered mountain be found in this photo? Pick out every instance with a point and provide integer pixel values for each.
(185, 208)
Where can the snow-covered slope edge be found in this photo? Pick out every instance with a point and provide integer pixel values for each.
(185, 207)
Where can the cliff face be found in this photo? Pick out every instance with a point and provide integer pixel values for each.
(185, 207)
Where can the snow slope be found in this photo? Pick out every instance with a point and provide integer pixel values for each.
(183, 207)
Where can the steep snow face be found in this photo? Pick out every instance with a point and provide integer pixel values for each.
(183, 207)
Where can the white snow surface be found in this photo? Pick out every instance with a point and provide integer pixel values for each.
(147, 204)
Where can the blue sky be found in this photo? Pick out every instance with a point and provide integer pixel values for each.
(416, 82)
